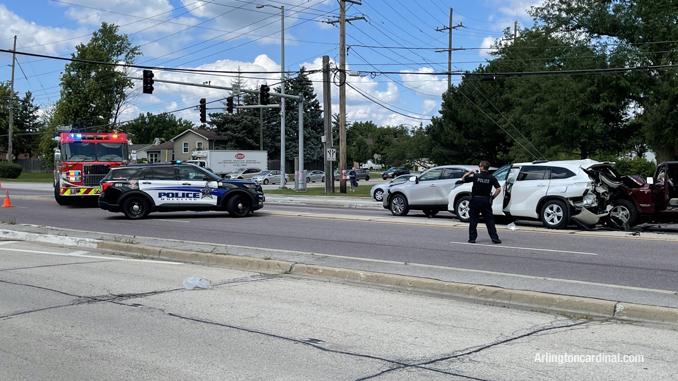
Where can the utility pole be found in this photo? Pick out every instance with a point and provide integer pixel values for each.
(342, 87)
(327, 113)
(11, 106)
(449, 49)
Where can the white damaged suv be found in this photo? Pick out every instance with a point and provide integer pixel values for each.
(553, 192)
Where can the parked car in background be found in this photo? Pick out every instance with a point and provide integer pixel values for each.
(245, 173)
(377, 191)
(315, 175)
(360, 174)
(428, 192)
(269, 177)
(553, 192)
(372, 166)
(394, 172)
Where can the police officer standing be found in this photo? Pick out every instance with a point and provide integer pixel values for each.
(481, 202)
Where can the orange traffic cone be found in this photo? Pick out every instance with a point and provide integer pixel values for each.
(7, 203)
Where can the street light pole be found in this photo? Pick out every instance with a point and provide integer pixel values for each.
(282, 90)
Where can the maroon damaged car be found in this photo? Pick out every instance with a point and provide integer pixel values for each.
(636, 201)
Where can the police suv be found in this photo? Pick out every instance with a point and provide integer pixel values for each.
(139, 189)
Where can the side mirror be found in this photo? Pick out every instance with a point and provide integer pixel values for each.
(649, 181)
(415, 179)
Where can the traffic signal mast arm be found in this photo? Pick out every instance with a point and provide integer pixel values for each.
(297, 97)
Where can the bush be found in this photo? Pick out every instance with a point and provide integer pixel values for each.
(636, 166)
(9, 170)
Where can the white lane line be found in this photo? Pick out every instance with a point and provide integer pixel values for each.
(176, 221)
(81, 254)
(523, 248)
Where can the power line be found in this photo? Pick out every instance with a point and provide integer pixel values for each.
(383, 106)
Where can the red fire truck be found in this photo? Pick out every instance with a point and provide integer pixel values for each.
(82, 159)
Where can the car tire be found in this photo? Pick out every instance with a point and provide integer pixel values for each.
(430, 212)
(379, 195)
(555, 214)
(323, 179)
(308, 180)
(285, 181)
(399, 205)
(622, 212)
(463, 209)
(238, 206)
(384, 177)
(135, 208)
(265, 181)
(367, 178)
(61, 200)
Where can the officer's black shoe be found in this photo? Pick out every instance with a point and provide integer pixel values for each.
(496, 241)
(471, 241)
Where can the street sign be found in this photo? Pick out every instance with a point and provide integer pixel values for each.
(331, 154)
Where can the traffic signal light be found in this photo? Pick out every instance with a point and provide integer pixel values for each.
(229, 105)
(203, 110)
(148, 82)
(264, 96)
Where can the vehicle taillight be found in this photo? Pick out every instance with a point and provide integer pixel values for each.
(105, 185)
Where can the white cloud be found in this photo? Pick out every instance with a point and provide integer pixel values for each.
(36, 38)
(486, 45)
(429, 106)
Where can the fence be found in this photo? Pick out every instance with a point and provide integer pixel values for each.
(33, 166)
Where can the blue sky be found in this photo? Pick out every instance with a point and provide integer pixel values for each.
(227, 34)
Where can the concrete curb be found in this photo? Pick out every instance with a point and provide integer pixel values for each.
(573, 306)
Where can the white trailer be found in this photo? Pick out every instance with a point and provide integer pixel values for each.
(225, 162)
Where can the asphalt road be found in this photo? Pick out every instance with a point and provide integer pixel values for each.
(630, 269)
(75, 314)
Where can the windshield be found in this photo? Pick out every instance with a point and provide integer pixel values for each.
(78, 152)
(94, 151)
(111, 151)
(239, 171)
(264, 173)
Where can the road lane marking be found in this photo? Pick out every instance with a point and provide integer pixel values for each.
(7, 242)
(82, 254)
(176, 221)
(522, 248)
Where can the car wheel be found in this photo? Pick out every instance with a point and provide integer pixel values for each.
(135, 208)
(367, 178)
(285, 181)
(430, 212)
(379, 195)
(463, 209)
(623, 213)
(238, 206)
(265, 181)
(399, 206)
(61, 200)
(323, 179)
(384, 177)
(308, 180)
(554, 214)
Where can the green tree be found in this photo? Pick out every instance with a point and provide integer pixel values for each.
(636, 33)
(241, 130)
(92, 95)
(146, 127)
(313, 118)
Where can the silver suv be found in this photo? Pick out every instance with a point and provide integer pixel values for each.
(427, 192)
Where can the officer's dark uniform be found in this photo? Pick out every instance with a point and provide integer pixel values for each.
(483, 184)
